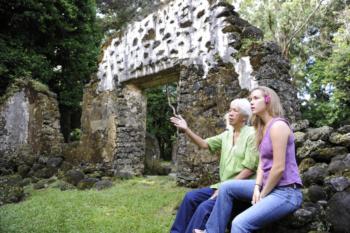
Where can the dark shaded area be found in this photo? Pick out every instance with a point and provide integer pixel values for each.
(158, 115)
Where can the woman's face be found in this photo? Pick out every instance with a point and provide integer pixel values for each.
(234, 115)
(257, 102)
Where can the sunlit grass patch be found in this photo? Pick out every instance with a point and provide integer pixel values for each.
(140, 205)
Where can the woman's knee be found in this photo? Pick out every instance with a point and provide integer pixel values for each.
(239, 225)
(225, 187)
(204, 209)
(190, 196)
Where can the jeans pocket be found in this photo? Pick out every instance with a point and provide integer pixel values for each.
(292, 196)
(299, 195)
(295, 197)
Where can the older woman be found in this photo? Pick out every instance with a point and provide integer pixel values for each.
(239, 159)
(276, 190)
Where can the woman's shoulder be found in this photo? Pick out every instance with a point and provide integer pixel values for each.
(249, 131)
(280, 127)
(280, 123)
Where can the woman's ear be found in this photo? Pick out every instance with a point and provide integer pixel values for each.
(267, 99)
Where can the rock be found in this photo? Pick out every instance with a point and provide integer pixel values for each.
(315, 174)
(10, 189)
(339, 157)
(74, 176)
(26, 181)
(103, 184)
(299, 138)
(308, 147)
(90, 168)
(34, 179)
(300, 125)
(321, 133)
(23, 170)
(340, 139)
(54, 162)
(316, 193)
(43, 160)
(65, 166)
(109, 173)
(45, 172)
(152, 155)
(252, 32)
(96, 174)
(344, 129)
(338, 183)
(347, 161)
(5, 172)
(12, 180)
(306, 164)
(336, 167)
(326, 154)
(303, 216)
(63, 186)
(338, 213)
(29, 159)
(36, 167)
(41, 184)
(125, 175)
(87, 183)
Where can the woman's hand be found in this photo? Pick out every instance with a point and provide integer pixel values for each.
(256, 195)
(215, 194)
(179, 122)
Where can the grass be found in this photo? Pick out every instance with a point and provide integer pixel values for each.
(140, 205)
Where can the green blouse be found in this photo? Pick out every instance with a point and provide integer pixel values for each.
(234, 158)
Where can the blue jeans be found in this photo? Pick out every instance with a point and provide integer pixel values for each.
(194, 211)
(279, 203)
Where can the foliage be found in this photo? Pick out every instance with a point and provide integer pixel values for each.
(114, 14)
(307, 31)
(329, 86)
(55, 42)
(75, 135)
(158, 115)
(142, 205)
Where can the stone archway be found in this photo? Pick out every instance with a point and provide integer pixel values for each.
(215, 56)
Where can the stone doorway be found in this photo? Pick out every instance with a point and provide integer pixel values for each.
(160, 135)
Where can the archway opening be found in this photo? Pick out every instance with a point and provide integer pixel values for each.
(160, 133)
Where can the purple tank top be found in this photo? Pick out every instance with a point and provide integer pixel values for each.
(291, 172)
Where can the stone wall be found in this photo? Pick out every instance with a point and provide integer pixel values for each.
(29, 116)
(213, 54)
(98, 127)
(129, 152)
(113, 127)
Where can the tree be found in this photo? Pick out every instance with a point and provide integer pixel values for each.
(306, 31)
(55, 42)
(329, 77)
(114, 14)
(159, 124)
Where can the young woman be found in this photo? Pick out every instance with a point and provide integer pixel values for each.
(239, 160)
(276, 191)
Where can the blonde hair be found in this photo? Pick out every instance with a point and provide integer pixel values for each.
(273, 107)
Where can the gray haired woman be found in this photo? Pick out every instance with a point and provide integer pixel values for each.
(238, 160)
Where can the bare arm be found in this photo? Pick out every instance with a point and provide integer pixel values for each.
(258, 185)
(180, 123)
(279, 136)
(244, 174)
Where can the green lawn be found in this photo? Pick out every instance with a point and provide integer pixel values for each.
(139, 205)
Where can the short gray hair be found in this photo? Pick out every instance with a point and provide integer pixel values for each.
(244, 107)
